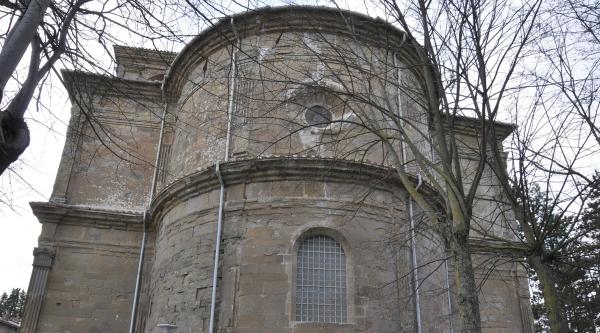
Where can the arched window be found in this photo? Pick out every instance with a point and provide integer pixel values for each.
(321, 281)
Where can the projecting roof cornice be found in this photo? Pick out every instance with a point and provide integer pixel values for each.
(474, 127)
(80, 84)
(283, 168)
(366, 29)
(139, 54)
(49, 212)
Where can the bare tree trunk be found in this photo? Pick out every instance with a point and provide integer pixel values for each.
(556, 317)
(19, 39)
(15, 134)
(464, 284)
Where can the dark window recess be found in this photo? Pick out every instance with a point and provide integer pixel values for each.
(318, 116)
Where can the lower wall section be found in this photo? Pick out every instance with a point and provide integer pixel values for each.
(87, 260)
(89, 291)
(91, 281)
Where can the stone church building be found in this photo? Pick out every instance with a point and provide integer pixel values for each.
(249, 184)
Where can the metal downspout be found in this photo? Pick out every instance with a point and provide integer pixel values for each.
(415, 264)
(230, 106)
(413, 245)
(213, 297)
(450, 324)
(138, 279)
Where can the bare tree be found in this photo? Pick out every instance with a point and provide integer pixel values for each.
(551, 154)
(471, 52)
(77, 35)
(464, 68)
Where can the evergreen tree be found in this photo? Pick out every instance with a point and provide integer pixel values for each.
(3, 300)
(12, 305)
(575, 266)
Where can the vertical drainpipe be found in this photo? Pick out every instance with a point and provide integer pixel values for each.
(447, 277)
(413, 248)
(450, 325)
(413, 244)
(230, 106)
(138, 279)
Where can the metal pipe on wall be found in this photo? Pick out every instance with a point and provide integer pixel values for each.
(450, 324)
(138, 278)
(415, 264)
(213, 297)
(413, 245)
(230, 107)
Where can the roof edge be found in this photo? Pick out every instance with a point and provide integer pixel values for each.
(223, 30)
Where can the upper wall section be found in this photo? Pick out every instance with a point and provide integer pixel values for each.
(111, 142)
(142, 64)
(373, 31)
(292, 81)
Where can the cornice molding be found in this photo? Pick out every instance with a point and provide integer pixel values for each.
(472, 126)
(163, 58)
(50, 212)
(280, 169)
(78, 82)
(507, 247)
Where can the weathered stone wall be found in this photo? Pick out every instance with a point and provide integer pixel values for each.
(91, 281)
(181, 277)
(493, 218)
(432, 277)
(285, 179)
(504, 296)
(263, 220)
(111, 147)
(282, 66)
(141, 64)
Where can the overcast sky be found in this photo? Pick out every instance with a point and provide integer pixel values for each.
(32, 180)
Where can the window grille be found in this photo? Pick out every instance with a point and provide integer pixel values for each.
(321, 281)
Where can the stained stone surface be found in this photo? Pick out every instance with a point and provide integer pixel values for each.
(283, 180)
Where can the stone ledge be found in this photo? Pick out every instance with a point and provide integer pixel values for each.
(49, 212)
(508, 247)
(77, 82)
(275, 169)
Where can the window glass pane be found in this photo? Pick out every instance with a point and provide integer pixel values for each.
(321, 281)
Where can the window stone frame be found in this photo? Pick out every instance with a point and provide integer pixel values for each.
(298, 239)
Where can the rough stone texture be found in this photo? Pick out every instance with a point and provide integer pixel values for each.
(113, 136)
(142, 64)
(90, 285)
(284, 180)
(263, 221)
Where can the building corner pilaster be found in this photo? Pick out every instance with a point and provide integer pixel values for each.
(42, 263)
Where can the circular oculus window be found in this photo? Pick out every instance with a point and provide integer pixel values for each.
(318, 116)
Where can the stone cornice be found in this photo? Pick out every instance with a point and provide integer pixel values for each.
(138, 54)
(278, 169)
(49, 212)
(78, 83)
(289, 19)
(507, 247)
(472, 126)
